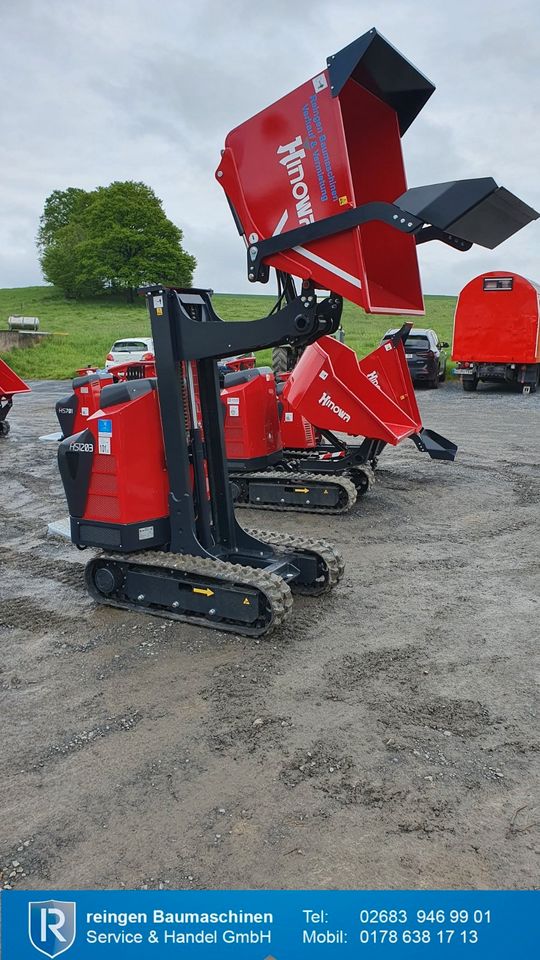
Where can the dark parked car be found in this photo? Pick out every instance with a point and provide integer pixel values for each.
(426, 355)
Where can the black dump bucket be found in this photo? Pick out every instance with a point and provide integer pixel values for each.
(435, 445)
(477, 211)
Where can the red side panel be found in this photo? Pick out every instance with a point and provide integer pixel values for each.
(10, 383)
(392, 279)
(335, 392)
(297, 433)
(496, 323)
(89, 398)
(251, 419)
(387, 368)
(129, 481)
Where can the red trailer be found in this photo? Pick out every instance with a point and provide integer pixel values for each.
(497, 331)
(10, 384)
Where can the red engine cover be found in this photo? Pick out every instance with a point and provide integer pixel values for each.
(129, 481)
(251, 420)
(88, 397)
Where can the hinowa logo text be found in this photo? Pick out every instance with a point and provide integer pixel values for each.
(325, 400)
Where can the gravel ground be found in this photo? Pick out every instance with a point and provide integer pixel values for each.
(388, 737)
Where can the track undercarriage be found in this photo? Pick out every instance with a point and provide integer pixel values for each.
(328, 478)
(230, 596)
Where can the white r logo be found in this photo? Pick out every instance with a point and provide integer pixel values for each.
(53, 927)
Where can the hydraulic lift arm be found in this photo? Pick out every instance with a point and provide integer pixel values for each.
(458, 213)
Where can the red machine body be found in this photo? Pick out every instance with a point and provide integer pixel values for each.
(118, 489)
(260, 423)
(74, 410)
(128, 483)
(252, 429)
(497, 320)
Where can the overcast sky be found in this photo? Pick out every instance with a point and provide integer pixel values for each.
(100, 90)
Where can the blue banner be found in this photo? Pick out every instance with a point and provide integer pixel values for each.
(269, 925)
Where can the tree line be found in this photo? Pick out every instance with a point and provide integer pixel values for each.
(112, 239)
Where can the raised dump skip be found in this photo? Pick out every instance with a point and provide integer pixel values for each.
(10, 382)
(327, 147)
(317, 185)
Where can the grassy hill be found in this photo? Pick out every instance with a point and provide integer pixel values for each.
(86, 329)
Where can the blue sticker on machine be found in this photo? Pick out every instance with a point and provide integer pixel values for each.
(105, 426)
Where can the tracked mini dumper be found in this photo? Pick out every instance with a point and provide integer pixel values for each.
(284, 452)
(317, 187)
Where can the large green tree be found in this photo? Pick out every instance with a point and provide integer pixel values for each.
(61, 208)
(112, 238)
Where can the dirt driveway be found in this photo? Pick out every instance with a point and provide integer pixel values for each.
(388, 738)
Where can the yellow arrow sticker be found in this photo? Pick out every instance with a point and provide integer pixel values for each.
(207, 592)
(301, 489)
(247, 603)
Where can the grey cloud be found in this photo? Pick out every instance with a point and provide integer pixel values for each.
(134, 89)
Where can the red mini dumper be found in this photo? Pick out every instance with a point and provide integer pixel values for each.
(291, 439)
(10, 385)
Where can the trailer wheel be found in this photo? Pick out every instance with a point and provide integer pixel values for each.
(469, 384)
(4, 428)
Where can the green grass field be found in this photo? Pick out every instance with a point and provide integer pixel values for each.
(84, 330)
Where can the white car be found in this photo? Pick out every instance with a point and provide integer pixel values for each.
(132, 348)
